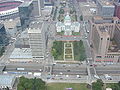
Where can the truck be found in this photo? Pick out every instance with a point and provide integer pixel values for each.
(20, 69)
(5, 72)
(107, 77)
(37, 74)
(29, 73)
(96, 76)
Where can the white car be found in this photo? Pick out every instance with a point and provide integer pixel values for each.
(96, 76)
(85, 37)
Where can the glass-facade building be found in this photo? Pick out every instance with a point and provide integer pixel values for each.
(25, 10)
(3, 36)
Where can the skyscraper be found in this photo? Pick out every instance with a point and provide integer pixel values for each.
(25, 10)
(3, 36)
(37, 40)
(103, 39)
(117, 9)
(117, 1)
(38, 5)
(105, 9)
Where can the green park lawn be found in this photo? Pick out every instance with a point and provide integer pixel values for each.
(78, 48)
(58, 50)
(79, 51)
(60, 33)
(63, 86)
(76, 33)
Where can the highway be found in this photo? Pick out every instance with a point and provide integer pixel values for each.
(68, 69)
(112, 70)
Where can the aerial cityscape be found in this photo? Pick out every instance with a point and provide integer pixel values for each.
(59, 44)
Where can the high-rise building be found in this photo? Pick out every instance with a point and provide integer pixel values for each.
(49, 2)
(105, 9)
(3, 36)
(25, 10)
(117, 9)
(117, 1)
(105, 45)
(117, 35)
(38, 5)
(37, 40)
(42, 4)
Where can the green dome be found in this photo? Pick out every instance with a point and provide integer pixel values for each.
(67, 17)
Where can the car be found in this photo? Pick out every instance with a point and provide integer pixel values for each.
(54, 63)
(61, 78)
(61, 73)
(110, 79)
(68, 70)
(96, 76)
(67, 75)
(94, 65)
(85, 37)
(53, 78)
(78, 76)
(40, 70)
(91, 65)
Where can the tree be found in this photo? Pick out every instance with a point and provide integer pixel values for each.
(81, 18)
(57, 49)
(7, 88)
(31, 84)
(61, 11)
(97, 85)
(115, 86)
(2, 50)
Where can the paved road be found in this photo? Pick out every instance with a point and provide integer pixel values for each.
(68, 69)
(113, 70)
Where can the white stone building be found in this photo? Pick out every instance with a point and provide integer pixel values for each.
(68, 26)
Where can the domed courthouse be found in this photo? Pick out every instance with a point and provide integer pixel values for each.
(68, 26)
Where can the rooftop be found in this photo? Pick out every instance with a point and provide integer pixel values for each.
(105, 3)
(25, 4)
(35, 27)
(101, 20)
(6, 80)
(1, 25)
(24, 34)
(21, 53)
(118, 4)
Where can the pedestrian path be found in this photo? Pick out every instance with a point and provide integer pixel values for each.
(68, 51)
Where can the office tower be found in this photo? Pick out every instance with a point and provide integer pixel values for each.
(104, 39)
(3, 36)
(117, 1)
(38, 5)
(49, 2)
(117, 35)
(25, 10)
(117, 9)
(105, 9)
(42, 4)
(37, 40)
